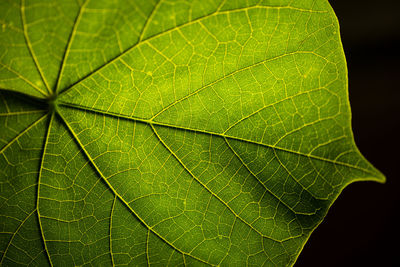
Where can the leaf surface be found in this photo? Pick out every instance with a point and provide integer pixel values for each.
(172, 132)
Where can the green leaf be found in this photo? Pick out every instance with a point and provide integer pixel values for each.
(170, 132)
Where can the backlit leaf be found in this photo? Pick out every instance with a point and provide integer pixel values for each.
(170, 133)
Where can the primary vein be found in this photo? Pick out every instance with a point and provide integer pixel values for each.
(162, 33)
(150, 122)
(30, 48)
(87, 154)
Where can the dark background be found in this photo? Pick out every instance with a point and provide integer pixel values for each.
(362, 227)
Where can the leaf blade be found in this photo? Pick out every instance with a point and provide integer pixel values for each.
(199, 133)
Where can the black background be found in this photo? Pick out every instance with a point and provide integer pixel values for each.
(362, 227)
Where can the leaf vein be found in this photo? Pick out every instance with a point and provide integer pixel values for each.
(86, 153)
(112, 114)
(30, 48)
(38, 189)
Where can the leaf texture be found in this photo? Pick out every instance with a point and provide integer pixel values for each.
(170, 133)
